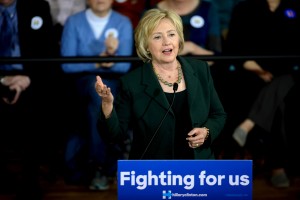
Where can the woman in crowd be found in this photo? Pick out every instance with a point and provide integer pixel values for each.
(96, 31)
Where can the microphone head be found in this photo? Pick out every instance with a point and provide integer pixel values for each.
(175, 87)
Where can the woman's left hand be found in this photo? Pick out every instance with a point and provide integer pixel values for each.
(196, 137)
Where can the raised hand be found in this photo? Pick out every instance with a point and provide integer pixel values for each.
(107, 97)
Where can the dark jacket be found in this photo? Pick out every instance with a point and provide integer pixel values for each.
(142, 103)
(40, 42)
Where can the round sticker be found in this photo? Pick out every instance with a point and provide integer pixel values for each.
(290, 13)
(197, 21)
(36, 22)
(113, 32)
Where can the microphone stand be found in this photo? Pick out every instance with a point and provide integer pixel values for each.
(175, 87)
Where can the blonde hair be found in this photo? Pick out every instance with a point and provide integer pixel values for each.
(148, 23)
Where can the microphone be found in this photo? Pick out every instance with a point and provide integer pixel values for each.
(175, 87)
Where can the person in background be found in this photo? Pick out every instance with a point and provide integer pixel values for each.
(201, 23)
(152, 3)
(61, 10)
(133, 9)
(97, 31)
(170, 102)
(27, 91)
(260, 28)
(224, 9)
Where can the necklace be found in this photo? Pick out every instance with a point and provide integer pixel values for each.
(166, 82)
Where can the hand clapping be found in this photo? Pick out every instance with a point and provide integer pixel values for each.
(111, 44)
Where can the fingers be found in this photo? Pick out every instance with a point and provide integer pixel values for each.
(101, 88)
(192, 134)
(196, 137)
(99, 81)
(23, 83)
(112, 44)
(16, 81)
(99, 84)
(16, 97)
(194, 142)
(107, 65)
(105, 91)
(196, 145)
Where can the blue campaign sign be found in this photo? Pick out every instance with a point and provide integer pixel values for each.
(177, 179)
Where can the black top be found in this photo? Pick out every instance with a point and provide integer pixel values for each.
(182, 125)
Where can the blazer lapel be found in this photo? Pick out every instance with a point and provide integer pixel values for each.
(190, 79)
(192, 85)
(153, 88)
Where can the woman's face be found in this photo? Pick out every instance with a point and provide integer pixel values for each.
(100, 7)
(163, 43)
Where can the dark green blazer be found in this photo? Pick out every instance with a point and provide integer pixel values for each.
(141, 105)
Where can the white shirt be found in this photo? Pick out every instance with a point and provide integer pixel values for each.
(97, 23)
